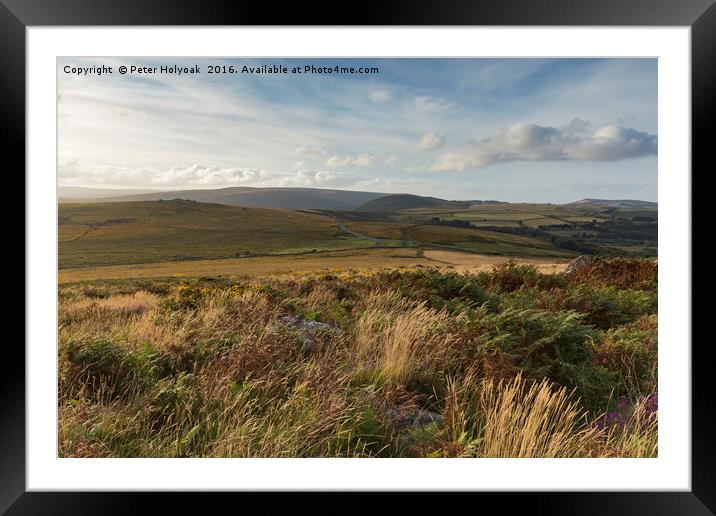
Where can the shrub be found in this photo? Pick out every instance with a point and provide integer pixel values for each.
(632, 351)
(607, 307)
(621, 273)
(508, 277)
(602, 307)
(421, 363)
(101, 368)
(541, 343)
(187, 297)
(444, 290)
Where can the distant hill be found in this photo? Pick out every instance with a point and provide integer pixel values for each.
(151, 231)
(615, 203)
(293, 198)
(398, 202)
(83, 193)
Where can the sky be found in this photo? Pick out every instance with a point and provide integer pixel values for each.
(518, 130)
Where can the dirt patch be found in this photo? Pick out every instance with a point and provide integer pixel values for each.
(467, 262)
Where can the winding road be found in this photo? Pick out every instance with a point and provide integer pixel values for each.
(348, 230)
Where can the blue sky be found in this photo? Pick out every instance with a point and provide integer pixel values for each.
(542, 130)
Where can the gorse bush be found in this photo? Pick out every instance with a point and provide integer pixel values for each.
(401, 363)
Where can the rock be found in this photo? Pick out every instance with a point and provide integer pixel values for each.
(308, 331)
(578, 262)
(413, 417)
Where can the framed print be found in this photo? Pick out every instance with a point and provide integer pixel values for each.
(439, 249)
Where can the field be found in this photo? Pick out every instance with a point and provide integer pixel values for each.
(148, 232)
(153, 231)
(400, 363)
(373, 259)
(520, 230)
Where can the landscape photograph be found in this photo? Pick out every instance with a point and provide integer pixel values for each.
(385, 258)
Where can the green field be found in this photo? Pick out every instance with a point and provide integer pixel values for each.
(510, 229)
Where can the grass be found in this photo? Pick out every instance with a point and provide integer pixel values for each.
(517, 419)
(155, 231)
(423, 362)
(523, 229)
(149, 232)
(481, 241)
(255, 266)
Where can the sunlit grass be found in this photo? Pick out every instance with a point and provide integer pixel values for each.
(402, 363)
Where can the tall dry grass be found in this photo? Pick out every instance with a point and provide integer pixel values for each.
(638, 437)
(210, 370)
(404, 340)
(515, 418)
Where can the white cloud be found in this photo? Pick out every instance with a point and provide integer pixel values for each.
(314, 151)
(431, 104)
(202, 175)
(431, 141)
(74, 173)
(318, 178)
(531, 142)
(362, 160)
(612, 143)
(391, 160)
(381, 96)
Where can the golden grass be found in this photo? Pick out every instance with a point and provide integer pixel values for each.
(143, 376)
(403, 341)
(109, 233)
(368, 259)
(135, 303)
(88, 315)
(638, 438)
(516, 418)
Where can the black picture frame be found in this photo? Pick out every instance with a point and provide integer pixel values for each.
(17, 15)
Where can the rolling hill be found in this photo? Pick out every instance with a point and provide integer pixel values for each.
(153, 231)
(86, 194)
(291, 198)
(310, 199)
(615, 203)
(399, 202)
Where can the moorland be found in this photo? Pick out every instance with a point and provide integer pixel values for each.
(355, 326)
(136, 230)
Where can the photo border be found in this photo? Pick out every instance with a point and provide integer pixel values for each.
(16, 15)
